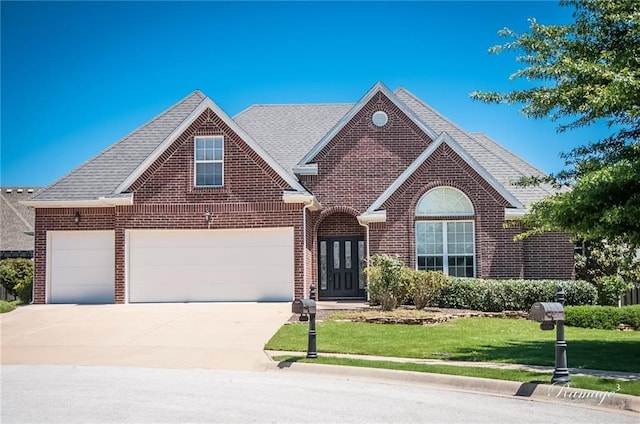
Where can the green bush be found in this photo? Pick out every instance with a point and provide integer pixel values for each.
(510, 295)
(388, 285)
(602, 317)
(424, 286)
(610, 288)
(16, 276)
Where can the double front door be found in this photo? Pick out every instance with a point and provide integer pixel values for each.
(341, 262)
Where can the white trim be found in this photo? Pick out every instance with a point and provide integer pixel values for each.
(101, 202)
(375, 216)
(196, 161)
(444, 138)
(302, 197)
(208, 103)
(47, 290)
(445, 251)
(378, 87)
(308, 169)
(512, 214)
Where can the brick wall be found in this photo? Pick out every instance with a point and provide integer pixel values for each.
(362, 160)
(164, 198)
(549, 255)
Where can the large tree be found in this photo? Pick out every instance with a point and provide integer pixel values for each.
(580, 74)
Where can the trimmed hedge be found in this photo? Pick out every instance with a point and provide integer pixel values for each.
(510, 295)
(602, 317)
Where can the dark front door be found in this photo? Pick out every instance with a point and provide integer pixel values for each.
(341, 267)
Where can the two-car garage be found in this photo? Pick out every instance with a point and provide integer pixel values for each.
(173, 265)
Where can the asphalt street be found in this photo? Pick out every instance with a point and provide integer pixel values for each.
(81, 394)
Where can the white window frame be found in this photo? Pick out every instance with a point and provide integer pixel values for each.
(445, 245)
(196, 162)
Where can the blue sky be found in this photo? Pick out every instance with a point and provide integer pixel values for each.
(78, 76)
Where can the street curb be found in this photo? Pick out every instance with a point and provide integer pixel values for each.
(533, 391)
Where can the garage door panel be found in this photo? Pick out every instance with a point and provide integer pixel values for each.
(81, 267)
(211, 265)
(82, 258)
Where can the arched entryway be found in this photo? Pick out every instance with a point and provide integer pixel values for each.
(340, 257)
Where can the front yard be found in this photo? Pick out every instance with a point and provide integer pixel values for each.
(473, 339)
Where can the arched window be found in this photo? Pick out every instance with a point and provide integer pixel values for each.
(445, 245)
(444, 201)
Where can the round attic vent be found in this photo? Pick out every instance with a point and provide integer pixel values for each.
(379, 118)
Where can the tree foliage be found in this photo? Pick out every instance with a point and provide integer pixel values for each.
(16, 276)
(582, 73)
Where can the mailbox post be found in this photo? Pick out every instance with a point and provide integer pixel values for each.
(561, 373)
(307, 310)
(550, 315)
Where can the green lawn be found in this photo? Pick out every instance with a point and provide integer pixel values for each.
(579, 382)
(471, 339)
(6, 306)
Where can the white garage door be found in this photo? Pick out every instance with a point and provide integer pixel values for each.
(81, 266)
(210, 265)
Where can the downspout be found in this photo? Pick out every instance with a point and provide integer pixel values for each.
(304, 247)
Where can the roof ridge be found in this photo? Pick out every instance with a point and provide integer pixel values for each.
(113, 145)
(255, 105)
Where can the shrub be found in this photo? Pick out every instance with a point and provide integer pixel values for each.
(602, 317)
(610, 288)
(518, 295)
(16, 276)
(424, 286)
(387, 281)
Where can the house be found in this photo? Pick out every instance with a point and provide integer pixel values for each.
(197, 206)
(16, 225)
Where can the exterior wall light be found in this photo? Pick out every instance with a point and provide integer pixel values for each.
(76, 217)
(208, 217)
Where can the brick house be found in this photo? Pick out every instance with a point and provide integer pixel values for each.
(197, 206)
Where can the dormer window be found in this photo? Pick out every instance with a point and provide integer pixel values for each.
(209, 164)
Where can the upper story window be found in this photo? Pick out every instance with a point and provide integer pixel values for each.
(209, 164)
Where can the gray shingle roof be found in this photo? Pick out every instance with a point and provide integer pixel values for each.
(15, 219)
(288, 132)
(101, 175)
(505, 166)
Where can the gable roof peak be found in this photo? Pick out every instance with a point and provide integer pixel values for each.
(378, 87)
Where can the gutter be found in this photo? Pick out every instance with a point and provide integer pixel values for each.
(100, 202)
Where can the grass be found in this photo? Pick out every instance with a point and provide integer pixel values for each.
(6, 306)
(579, 382)
(471, 339)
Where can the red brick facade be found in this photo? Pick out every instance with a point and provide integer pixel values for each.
(354, 168)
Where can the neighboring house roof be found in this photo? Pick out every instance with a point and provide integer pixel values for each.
(285, 136)
(16, 219)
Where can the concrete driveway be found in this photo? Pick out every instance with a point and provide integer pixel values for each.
(179, 335)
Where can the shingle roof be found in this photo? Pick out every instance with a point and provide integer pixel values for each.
(101, 175)
(16, 219)
(505, 166)
(287, 132)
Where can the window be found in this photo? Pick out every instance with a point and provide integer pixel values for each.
(441, 245)
(209, 161)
